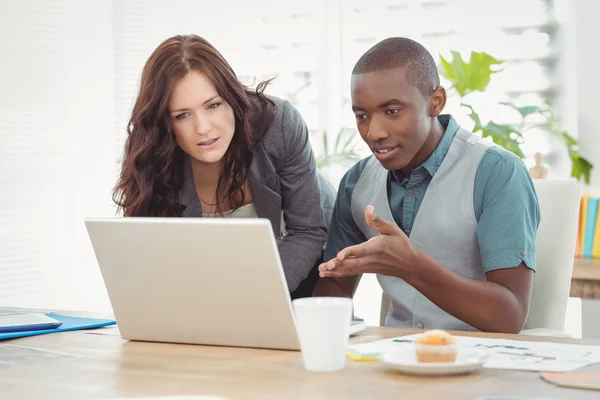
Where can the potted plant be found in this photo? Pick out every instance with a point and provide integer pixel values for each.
(474, 76)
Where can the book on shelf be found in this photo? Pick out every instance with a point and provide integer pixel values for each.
(588, 235)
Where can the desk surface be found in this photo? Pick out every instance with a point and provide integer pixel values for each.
(110, 367)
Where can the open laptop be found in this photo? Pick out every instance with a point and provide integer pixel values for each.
(212, 281)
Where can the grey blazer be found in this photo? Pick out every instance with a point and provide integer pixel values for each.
(287, 189)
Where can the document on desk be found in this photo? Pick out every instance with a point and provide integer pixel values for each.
(109, 330)
(12, 355)
(503, 353)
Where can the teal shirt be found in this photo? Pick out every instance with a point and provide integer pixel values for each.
(504, 201)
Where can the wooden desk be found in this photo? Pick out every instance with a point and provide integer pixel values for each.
(110, 367)
(585, 282)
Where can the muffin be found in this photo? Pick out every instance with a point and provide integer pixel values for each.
(436, 346)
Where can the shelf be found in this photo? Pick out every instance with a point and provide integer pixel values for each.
(586, 269)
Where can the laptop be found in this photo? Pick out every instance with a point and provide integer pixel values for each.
(210, 281)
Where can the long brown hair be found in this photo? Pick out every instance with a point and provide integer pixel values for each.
(152, 172)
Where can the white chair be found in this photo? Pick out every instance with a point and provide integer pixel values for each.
(559, 209)
(555, 251)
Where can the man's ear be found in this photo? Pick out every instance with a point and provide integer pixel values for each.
(437, 101)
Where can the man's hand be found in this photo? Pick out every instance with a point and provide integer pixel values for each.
(390, 253)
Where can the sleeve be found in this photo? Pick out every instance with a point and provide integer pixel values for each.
(303, 214)
(507, 211)
(343, 231)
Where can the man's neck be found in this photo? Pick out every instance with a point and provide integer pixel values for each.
(433, 139)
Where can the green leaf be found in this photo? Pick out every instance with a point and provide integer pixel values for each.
(468, 77)
(447, 71)
(474, 116)
(502, 135)
(460, 68)
(571, 141)
(349, 144)
(581, 168)
(338, 139)
(335, 154)
(524, 111)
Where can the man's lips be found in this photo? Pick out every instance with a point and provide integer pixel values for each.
(383, 153)
(383, 149)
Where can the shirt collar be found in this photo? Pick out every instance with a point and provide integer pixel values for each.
(432, 164)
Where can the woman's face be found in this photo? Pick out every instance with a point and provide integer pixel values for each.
(203, 122)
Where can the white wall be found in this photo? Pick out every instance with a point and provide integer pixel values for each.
(91, 136)
(586, 75)
(57, 139)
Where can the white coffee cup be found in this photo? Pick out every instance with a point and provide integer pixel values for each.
(323, 325)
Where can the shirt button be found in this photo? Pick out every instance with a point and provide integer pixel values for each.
(523, 252)
(410, 192)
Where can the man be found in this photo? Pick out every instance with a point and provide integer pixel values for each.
(446, 221)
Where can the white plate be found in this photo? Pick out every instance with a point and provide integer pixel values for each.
(405, 360)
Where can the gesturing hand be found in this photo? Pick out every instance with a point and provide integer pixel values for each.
(390, 253)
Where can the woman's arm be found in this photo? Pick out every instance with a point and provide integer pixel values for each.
(304, 200)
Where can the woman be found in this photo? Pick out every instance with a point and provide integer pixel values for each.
(201, 144)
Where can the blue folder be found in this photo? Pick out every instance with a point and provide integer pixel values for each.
(68, 324)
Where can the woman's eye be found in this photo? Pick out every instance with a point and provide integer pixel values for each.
(182, 116)
(213, 106)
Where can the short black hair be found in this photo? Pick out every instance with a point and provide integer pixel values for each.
(396, 52)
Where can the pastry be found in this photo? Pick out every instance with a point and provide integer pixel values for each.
(436, 346)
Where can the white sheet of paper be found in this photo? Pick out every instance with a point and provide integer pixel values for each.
(107, 330)
(505, 354)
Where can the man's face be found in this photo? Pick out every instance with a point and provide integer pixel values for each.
(392, 116)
